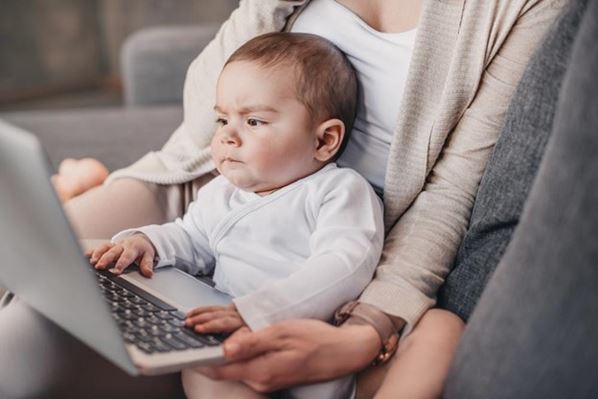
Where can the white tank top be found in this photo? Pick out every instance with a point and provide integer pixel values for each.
(381, 61)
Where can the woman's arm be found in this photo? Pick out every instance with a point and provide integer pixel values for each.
(420, 248)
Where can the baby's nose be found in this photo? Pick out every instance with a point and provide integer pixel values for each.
(230, 137)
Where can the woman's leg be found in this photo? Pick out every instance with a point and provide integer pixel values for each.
(421, 364)
(105, 210)
(339, 388)
(198, 386)
(40, 360)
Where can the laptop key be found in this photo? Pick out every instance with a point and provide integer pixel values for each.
(187, 339)
(173, 342)
(153, 320)
(126, 314)
(129, 337)
(138, 301)
(168, 327)
(156, 331)
(179, 315)
(143, 336)
(205, 339)
(141, 312)
(158, 345)
(164, 314)
(176, 322)
(150, 308)
(145, 346)
(141, 323)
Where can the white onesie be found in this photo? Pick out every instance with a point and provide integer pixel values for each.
(299, 252)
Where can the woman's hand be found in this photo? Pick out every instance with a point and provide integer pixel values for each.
(215, 319)
(295, 352)
(135, 248)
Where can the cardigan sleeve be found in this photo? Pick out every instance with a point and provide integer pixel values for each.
(420, 247)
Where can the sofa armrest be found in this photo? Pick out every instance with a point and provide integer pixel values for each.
(115, 136)
(154, 62)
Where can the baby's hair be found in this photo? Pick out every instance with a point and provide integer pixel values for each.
(325, 81)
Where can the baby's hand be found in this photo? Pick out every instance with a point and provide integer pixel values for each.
(215, 319)
(135, 248)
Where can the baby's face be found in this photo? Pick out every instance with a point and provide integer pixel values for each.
(265, 139)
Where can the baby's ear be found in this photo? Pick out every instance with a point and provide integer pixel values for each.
(329, 137)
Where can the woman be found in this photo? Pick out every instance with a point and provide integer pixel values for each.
(464, 63)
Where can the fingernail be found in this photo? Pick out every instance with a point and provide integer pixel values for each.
(114, 270)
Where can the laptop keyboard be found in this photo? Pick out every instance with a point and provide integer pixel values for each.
(148, 322)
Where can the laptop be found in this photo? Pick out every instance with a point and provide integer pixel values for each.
(134, 322)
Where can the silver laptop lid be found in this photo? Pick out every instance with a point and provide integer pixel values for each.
(41, 261)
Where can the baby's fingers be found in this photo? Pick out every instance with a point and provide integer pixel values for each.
(205, 317)
(146, 265)
(109, 256)
(96, 253)
(127, 256)
(206, 309)
(220, 325)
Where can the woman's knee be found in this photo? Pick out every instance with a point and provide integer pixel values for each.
(105, 210)
(422, 360)
(198, 386)
(436, 326)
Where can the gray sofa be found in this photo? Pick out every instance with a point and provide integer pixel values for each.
(154, 62)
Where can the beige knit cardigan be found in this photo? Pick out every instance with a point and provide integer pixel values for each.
(467, 59)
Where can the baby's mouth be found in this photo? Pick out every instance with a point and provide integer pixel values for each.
(230, 160)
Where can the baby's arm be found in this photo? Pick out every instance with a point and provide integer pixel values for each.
(183, 242)
(345, 249)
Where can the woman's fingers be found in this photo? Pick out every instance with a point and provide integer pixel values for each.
(246, 345)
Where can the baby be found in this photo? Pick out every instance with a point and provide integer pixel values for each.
(285, 231)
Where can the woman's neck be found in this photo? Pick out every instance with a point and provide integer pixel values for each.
(389, 16)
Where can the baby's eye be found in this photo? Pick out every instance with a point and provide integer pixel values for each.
(255, 122)
(221, 121)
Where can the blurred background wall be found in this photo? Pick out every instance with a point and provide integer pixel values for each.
(65, 53)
